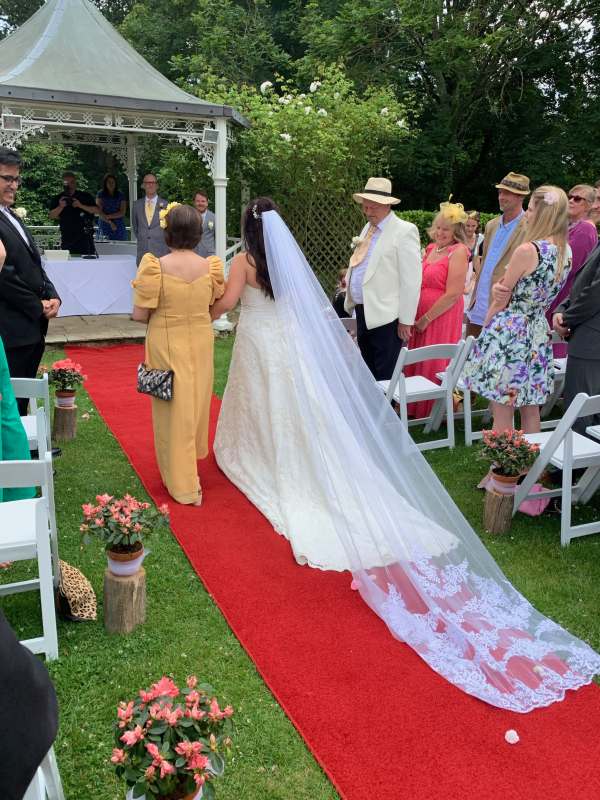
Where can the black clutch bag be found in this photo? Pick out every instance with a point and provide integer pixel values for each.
(155, 382)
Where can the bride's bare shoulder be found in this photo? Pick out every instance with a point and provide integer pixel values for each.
(243, 260)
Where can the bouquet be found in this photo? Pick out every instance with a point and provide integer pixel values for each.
(171, 741)
(122, 523)
(508, 451)
(66, 374)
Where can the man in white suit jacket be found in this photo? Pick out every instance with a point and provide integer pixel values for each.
(384, 279)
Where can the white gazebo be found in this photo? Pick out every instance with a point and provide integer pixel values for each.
(51, 85)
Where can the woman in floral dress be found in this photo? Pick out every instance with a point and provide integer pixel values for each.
(511, 363)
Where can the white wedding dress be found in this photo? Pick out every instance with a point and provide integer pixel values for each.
(265, 448)
(309, 438)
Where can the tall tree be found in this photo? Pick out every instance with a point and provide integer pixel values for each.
(475, 68)
(230, 39)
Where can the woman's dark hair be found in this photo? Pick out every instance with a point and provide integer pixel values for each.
(254, 242)
(105, 184)
(9, 158)
(184, 228)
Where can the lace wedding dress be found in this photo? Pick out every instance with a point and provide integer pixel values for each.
(309, 438)
(265, 448)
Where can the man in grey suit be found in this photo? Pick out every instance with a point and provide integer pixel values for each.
(206, 246)
(145, 220)
(577, 319)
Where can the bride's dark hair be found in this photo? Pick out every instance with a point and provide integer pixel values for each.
(254, 242)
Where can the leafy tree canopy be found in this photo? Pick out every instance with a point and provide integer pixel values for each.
(482, 86)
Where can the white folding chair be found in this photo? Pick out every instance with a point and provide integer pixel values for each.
(593, 430)
(467, 413)
(46, 783)
(567, 450)
(416, 388)
(34, 389)
(560, 369)
(28, 531)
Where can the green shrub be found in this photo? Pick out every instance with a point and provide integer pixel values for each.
(423, 220)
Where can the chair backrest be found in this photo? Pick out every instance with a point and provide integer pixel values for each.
(35, 389)
(432, 351)
(31, 387)
(37, 472)
(582, 405)
(455, 367)
(418, 354)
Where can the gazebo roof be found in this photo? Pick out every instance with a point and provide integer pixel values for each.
(67, 52)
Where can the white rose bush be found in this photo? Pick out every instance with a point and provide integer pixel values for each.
(322, 138)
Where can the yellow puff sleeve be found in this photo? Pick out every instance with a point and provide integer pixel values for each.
(218, 279)
(146, 284)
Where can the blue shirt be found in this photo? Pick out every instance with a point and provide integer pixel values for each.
(497, 247)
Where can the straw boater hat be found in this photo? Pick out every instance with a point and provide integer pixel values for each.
(515, 183)
(379, 190)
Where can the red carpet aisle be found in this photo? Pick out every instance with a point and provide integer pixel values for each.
(381, 723)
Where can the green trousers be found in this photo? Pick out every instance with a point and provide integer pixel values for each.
(13, 439)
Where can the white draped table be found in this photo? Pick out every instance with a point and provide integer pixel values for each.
(93, 286)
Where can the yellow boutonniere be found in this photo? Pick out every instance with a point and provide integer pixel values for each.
(165, 213)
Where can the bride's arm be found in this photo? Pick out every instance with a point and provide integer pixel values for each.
(235, 286)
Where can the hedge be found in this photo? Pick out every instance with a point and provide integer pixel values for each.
(423, 220)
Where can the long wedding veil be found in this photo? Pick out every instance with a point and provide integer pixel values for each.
(416, 560)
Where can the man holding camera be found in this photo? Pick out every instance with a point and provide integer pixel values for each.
(75, 213)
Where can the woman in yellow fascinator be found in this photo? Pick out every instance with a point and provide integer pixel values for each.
(441, 307)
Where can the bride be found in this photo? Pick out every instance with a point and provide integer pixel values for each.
(306, 434)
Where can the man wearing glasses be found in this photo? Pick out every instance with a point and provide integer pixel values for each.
(145, 220)
(28, 298)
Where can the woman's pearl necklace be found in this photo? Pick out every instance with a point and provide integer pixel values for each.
(439, 250)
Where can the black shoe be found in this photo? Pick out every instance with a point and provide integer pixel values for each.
(56, 452)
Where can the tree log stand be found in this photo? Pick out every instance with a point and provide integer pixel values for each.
(124, 601)
(497, 511)
(65, 423)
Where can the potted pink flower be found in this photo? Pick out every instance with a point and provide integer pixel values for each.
(66, 375)
(122, 524)
(510, 456)
(171, 743)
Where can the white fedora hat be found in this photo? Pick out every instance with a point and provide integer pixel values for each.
(379, 190)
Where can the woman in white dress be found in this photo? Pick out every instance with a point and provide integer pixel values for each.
(307, 435)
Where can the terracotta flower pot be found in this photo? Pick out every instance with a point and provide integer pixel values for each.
(508, 480)
(65, 398)
(195, 795)
(124, 563)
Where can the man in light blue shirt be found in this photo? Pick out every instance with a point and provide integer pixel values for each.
(502, 235)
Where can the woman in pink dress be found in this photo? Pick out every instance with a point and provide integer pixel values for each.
(440, 311)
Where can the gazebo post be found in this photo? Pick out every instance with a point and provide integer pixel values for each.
(220, 184)
(132, 175)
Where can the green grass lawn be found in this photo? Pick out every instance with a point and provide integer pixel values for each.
(185, 632)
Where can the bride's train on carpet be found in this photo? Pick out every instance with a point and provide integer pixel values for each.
(308, 436)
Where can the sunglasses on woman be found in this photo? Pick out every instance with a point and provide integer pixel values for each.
(577, 198)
